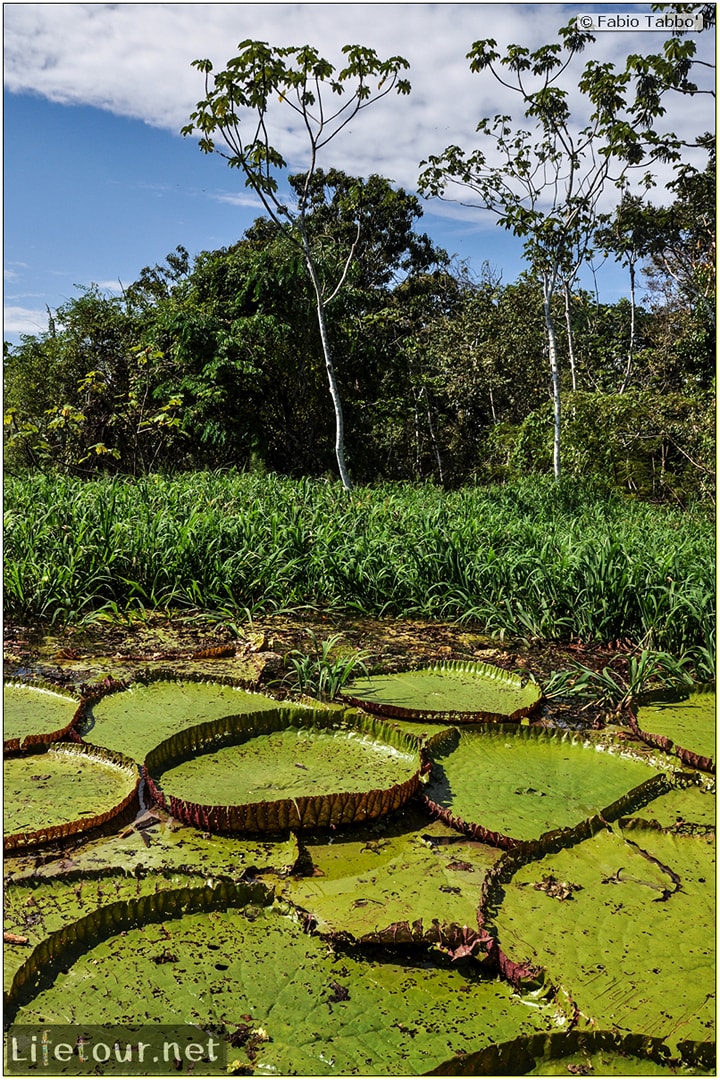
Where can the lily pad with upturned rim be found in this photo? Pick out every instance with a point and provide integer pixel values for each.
(68, 789)
(583, 1053)
(686, 727)
(632, 960)
(35, 715)
(522, 782)
(321, 1014)
(689, 806)
(134, 720)
(455, 692)
(405, 870)
(289, 769)
(173, 848)
(38, 908)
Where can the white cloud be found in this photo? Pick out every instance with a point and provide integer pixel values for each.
(21, 320)
(134, 60)
(113, 286)
(238, 200)
(12, 274)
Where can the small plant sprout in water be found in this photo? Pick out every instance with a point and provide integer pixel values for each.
(320, 676)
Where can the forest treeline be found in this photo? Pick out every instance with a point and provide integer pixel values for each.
(215, 361)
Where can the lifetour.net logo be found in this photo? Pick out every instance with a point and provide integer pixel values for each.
(152, 1050)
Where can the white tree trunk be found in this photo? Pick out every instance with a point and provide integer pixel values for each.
(329, 368)
(631, 344)
(570, 338)
(554, 373)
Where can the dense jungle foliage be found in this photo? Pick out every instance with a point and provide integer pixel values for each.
(215, 361)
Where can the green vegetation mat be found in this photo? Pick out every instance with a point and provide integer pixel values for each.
(61, 787)
(321, 1014)
(133, 721)
(479, 691)
(34, 711)
(525, 782)
(633, 945)
(526, 559)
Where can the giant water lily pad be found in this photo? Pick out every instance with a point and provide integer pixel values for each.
(166, 846)
(626, 927)
(36, 908)
(42, 899)
(688, 725)
(456, 692)
(523, 782)
(582, 1053)
(67, 790)
(253, 969)
(407, 872)
(135, 720)
(689, 806)
(35, 715)
(285, 769)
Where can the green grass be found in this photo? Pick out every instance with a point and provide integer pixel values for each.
(534, 559)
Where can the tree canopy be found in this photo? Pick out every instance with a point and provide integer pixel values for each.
(224, 358)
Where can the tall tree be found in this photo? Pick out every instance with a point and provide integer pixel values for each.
(240, 107)
(548, 183)
(625, 236)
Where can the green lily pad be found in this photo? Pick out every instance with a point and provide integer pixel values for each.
(523, 782)
(135, 720)
(34, 715)
(35, 908)
(287, 769)
(689, 724)
(66, 790)
(314, 1013)
(166, 847)
(162, 855)
(583, 1053)
(454, 691)
(691, 803)
(631, 934)
(403, 871)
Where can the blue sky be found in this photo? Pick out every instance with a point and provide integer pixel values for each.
(98, 182)
(120, 195)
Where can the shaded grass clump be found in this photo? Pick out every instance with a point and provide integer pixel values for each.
(531, 559)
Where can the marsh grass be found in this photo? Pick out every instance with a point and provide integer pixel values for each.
(610, 689)
(531, 560)
(323, 671)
